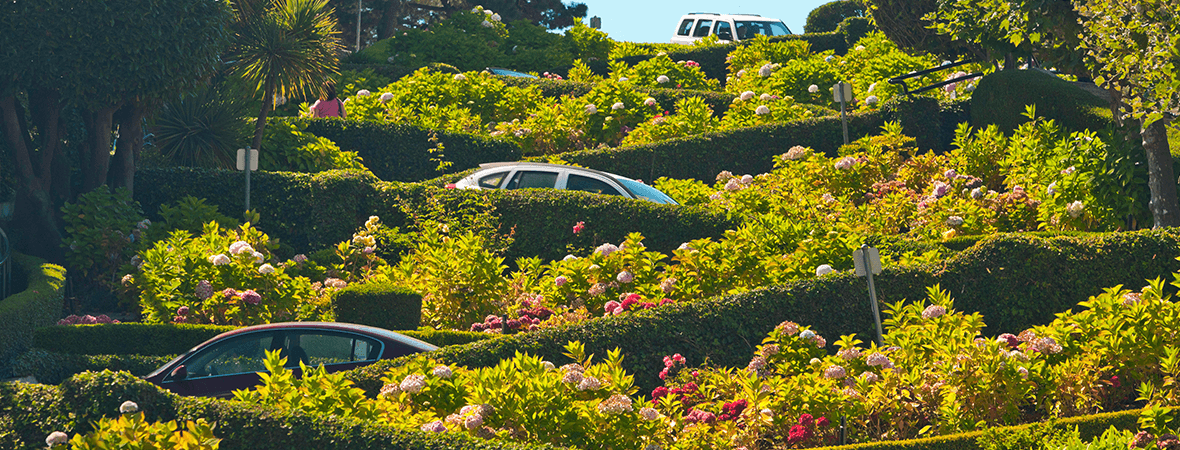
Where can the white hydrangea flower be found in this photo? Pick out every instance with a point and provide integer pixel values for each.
(363, 93)
(822, 270)
(442, 372)
(487, 24)
(765, 71)
(219, 259)
(617, 106)
(128, 407)
(649, 101)
(747, 95)
(871, 100)
(591, 109)
(459, 77)
(762, 109)
(1075, 209)
(266, 269)
(386, 97)
(495, 17)
(813, 89)
(662, 79)
(56, 438)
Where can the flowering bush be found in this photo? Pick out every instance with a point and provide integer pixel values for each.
(130, 431)
(287, 147)
(222, 277)
(88, 319)
(102, 228)
(661, 72)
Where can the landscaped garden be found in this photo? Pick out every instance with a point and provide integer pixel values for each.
(1030, 259)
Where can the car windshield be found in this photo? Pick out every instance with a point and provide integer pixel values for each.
(749, 28)
(509, 73)
(645, 191)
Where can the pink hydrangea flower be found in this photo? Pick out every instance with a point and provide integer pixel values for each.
(606, 249)
(251, 297)
(578, 227)
(834, 372)
(933, 311)
(625, 277)
(560, 281)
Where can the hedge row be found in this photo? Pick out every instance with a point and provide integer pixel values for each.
(753, 150)
(1015, 281)
(38, 305)
(173, 339)
(667, 98)
(400, 152)
(312, 211)
(53, 368)
(33, 411)
(712, 58)
(1089, 427)
(28, 413)
(381, 305)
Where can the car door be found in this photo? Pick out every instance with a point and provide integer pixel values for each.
(219, 369)
(335, 350)
(587, 182)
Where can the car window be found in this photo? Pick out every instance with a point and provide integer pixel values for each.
(703, 28)
(749, 28)
(581, 183)
(243, 354)
(723, 31)
(325, 347)
(685, 27)
(646, 192)
(492, 181)
(525, 179)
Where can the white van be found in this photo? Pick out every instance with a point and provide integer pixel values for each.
(727, 27)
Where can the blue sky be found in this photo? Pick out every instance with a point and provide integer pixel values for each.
(655, 21)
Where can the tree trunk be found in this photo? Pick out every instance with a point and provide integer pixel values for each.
(15, 134)
(98, 134)
(268, 100)
(1165, 208)
(35, 230)
(389, 20)
(45, 106)
(130, 121)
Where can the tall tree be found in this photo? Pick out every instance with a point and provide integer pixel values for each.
(110, 61)
(284, 47)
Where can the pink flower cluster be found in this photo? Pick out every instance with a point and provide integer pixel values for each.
(631, 302)
(733, 410)
(86, 320)
(672, 366)
(700, 416)
(551, 76)
(806, 430)
(689, 63)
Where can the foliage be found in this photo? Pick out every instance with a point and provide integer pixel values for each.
(827, 17)
(102, 228)
(203, 129)
(287, 146)
(1046, 30)
(1004, 92)
(132, 432)
(38, 305)
(221, 277)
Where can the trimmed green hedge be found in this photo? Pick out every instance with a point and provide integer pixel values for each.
(173, 339)
(719, 101)
(314, 211)
(53, 368)
(1015, 281)
(381, 305)
(30, 412)
(399, 152)
(38, 305)
(1001, 98)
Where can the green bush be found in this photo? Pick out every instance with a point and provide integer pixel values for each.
(1088, 427)
(38, 305)
(1015, 281)
(53, 368)
(314, 211)
(395, 152)
(125, 338)
(666, 98)
(381, 305)
(855, 28)
(827, 17)
(1001, 96)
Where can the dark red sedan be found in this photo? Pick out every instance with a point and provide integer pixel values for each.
(232, 360)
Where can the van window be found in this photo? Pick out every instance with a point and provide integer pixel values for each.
(581, 183)
(526, 179)
(703, 28)
(685, 27)
(723, 31)
(756, 27)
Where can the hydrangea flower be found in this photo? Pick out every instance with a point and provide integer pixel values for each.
(616, 404)
(733, 185)
(845, 163)
(589, 383)
(560, 281)
(933, 311)
(747, 95)
(823, 269)
(257, 257)
(977, 193)
(762, 110)
(386, 97)
(251, 297)
(266, 269)
(870, 377)
(871, 100)
(436, 426)
(834, 372)
(496, 17)
(879, 359)
(182, 311)
(591, 109)
(413, 383)
(649, 101)
(940, 189)
(389, 390)
(788, 327)
(459, 77)
(597, 289)
(649, 414)
(829, 58)
(954, 221)
(625, 277)
(487, 24)
(662, 79)
(1075, 209)
(56, 438)
(617, 106)
(240, 247)
(606, 249)
(363, 93)
(128, 407)
(765, 71)
(569, 258)
(813, 89)
(807, 335)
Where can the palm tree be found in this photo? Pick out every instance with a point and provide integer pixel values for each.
(284, 47)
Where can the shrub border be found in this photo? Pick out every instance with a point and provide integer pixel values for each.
(38, 305)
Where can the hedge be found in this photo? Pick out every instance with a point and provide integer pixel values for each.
(712, 57)
(381, 305)
(28, 413)
(53, 368)
(1015, 281)
(718, 101)
(173, 339)
(40, 304)
(1001, 97)
(400, 152)
(313, 211)
(752, 150)
(1089, 427)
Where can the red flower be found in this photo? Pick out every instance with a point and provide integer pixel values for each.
(578, 227)
(822, 422)
(806, 420)
(659, 392)
(798, 433)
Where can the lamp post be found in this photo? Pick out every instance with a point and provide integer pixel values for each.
(243, 154)
(842, 92)
(358, 24)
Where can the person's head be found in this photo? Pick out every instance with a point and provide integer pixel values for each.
(329, 91)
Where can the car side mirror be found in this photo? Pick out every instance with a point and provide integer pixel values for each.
(180, 372)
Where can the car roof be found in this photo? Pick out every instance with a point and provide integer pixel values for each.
(334, 326)
(494, 165)
(735, 16)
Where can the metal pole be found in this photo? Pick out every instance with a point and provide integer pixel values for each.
(247, 158)
(358, 24)
(844, 117)
(872, 294)
(843, 433)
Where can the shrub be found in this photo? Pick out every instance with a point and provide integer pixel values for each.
(1001, 93)
(102, 228)
(53, 368)
(826, 17)
(37, 306)
(288, 147)
(378, 304)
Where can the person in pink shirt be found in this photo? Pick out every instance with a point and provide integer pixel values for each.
(328, 105)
